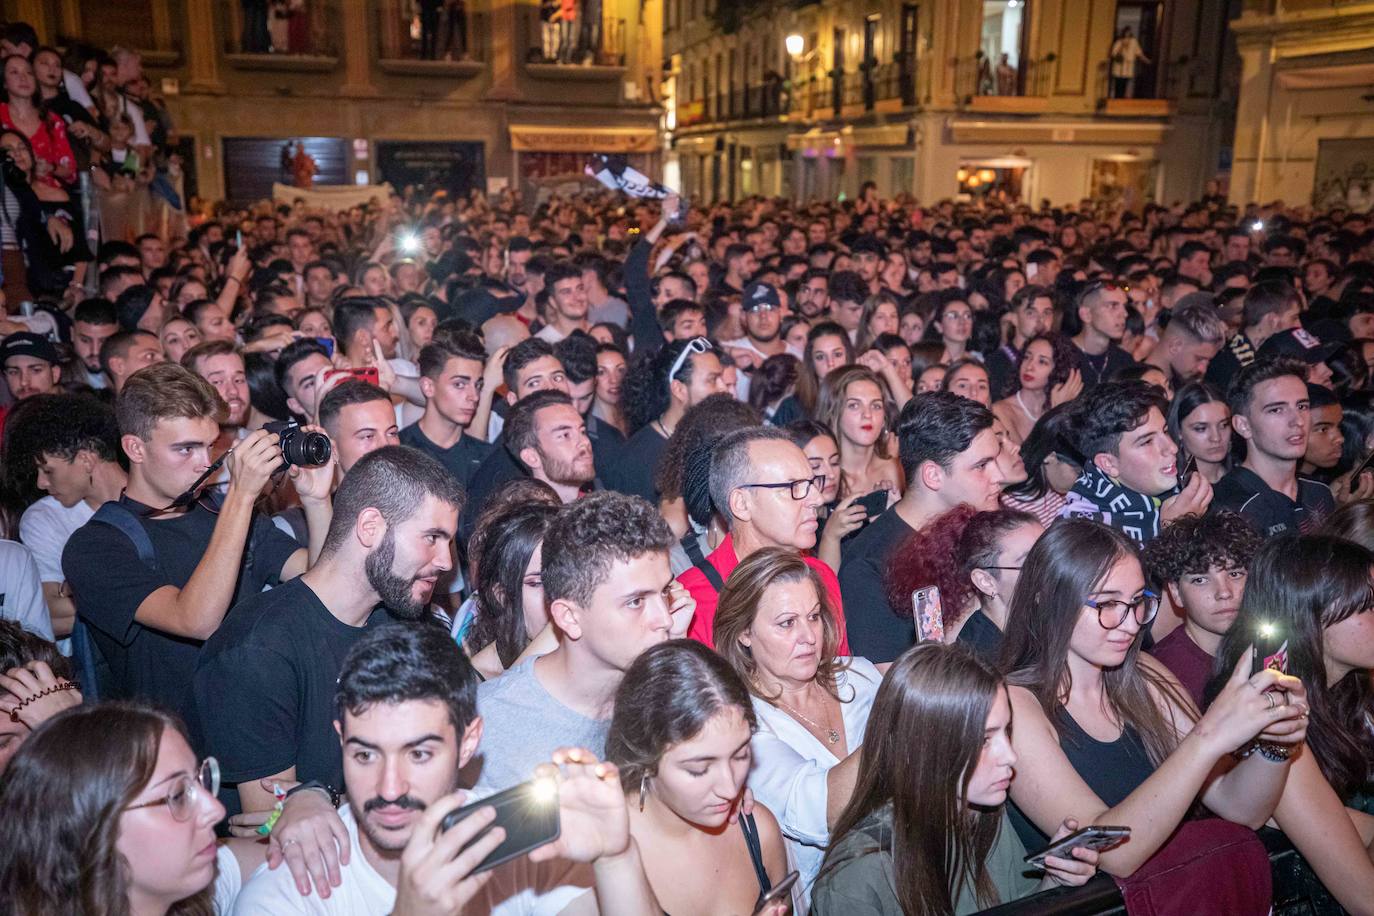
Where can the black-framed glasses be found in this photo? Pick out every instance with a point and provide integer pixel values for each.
(184, 791)
(1112, 614)
(799, 489)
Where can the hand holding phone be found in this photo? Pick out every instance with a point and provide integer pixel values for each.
(874, 503)
(436, 873)
(1097, 839)
(779, 896)
(527, 814)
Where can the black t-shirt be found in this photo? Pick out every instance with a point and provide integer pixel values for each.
(461, 460)
(497, 468)
(1001, 366)
(636, 463)
(982, 636)
(875, 630)
(264, 686)
(109, 582)
(1269, 511)
(1097, 369)
(607, 443)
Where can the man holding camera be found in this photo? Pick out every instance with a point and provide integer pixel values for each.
(264, 682)
(153, 573)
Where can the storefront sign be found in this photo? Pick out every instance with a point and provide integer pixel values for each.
(580, 140)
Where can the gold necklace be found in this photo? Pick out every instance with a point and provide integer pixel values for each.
(832, 735)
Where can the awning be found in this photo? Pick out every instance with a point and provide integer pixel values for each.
(814, 139)
(536, 138)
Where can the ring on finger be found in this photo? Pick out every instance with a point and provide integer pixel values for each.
(287, 842)
(1270, 698)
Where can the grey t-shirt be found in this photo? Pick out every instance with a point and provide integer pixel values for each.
(613, 310)
(522, 725)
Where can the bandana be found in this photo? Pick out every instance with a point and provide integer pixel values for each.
(1098, 497)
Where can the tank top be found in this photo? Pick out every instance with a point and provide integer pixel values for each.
(750, 830)
(1112, 769)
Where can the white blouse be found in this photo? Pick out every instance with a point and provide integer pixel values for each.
(790, 765)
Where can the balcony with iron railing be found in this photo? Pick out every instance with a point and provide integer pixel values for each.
(1138, 90)
(1023, 88)
(574, 50)
(300, 36)
(448, 42)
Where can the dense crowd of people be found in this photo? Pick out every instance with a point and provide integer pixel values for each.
(878, 543)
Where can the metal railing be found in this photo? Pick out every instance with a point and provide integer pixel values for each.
(978, 75)
(579, 45)
(803, 95)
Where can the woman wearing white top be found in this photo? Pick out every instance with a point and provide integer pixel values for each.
(776, 627)
(1126, 53)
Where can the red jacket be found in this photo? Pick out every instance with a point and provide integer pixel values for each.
(724, 560)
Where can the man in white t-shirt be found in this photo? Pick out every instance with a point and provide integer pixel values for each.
(74, 441)
(407, 718)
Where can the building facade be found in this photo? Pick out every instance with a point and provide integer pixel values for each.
(1305, 116)
(480, 94)
(1027, 100)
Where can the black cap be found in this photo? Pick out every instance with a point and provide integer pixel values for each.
(759, 295)
(1296, 342)
(26, 344)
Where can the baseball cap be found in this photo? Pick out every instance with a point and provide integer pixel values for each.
(760, 295)
(1299, 343)
(27, 344)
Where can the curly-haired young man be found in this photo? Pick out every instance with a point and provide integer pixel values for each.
(1202, 562)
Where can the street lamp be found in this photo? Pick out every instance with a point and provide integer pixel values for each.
(795, 44)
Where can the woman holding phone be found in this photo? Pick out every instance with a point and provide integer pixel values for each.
(775, 626)
(936, 839)
(1311, 595)
(680, 736)
(1107, 735)
(975, 559)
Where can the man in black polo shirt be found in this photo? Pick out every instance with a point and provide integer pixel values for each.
(451, 381)
(151, 579)
(1269, 410)
(264, 683)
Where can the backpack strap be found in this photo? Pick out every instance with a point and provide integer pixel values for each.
(692, 548)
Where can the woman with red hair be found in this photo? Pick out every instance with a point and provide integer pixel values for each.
(975, 559)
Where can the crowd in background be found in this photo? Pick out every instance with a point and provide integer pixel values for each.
(319, 524)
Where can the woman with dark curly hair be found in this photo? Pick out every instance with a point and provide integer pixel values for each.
(975, 559)
(1046, 376)
(1201, 563)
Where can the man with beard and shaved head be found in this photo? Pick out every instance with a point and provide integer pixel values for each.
(264, 683)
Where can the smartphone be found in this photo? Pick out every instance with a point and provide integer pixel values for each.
(1189, 468)
(528, 813)
(781, 891)
(930, 621)
(1095, 838)
(874, 503)
(1365, 465)
(238, 239)
(365, 374)
(327, 343)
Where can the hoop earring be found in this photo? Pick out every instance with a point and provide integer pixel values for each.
(643, 790)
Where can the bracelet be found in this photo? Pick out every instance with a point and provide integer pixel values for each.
(314, 784)
(56, 688)
(1277, 753)
(229, 280)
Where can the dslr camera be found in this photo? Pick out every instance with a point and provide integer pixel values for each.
(301, 446)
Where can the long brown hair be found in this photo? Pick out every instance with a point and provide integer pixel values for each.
(830, 406)
(1063, 568)
(62, 797)
(925, 734)
(739, 605)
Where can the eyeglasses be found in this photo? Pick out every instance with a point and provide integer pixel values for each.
(185, 791)
(1004, 568)
(800, 489)
(1112, 614)
(696, 345)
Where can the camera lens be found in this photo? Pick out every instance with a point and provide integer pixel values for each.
(306, 449)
